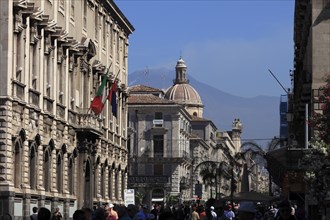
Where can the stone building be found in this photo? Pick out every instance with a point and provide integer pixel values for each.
(54, 152)
(311, 66)
(159, 153)
(168, 137)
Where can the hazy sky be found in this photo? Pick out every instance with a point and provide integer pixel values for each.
(229, 45)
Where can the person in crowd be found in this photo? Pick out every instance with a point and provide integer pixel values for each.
(112, 214)
(220, 213)
(202, 213)
(300, 211)
(123, 213)
(131, 210)
(229, 212)
(44, 214)
(144, 214)
(186, 212)
(246, 211)
(88, 213)
(270, 214)
(100, 214)
(57, 214)
(194, 214)
(166, 216)
(155, 211)
(213, 213)
(179, 212)
(34, 215)
(285, 211)
(79, 215)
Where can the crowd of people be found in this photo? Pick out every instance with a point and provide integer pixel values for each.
(245, 210)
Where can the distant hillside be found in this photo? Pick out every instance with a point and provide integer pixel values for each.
(259, 115)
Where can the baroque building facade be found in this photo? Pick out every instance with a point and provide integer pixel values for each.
(53, 151)
(167, 139)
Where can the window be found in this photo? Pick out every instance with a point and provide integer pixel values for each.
(158, 169)
(72, 10)
(46, 171)
(110, 185)
(158, 122)
(70, 176)
(35, 63)
(33, 165)
(158, 115)
(117, 184)
(158, 145)
(123, 183)
(104, 34)
(102, 180)
(85, 15)
(117, 46)
(96, 23)
(96, 175)
(59, 173)
(20, 56)
(17, 162)
(49, 73)
(111, 40)
(60, 81)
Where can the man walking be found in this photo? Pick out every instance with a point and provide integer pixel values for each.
(34, 216)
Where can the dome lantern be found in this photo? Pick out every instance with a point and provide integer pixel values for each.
(183, 93)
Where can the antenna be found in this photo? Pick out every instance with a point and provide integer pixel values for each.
(146, 73)
(286, 91)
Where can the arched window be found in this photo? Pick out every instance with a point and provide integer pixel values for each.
(18, 165)
(102, 180)
(110, 183)
(59, 173)
(96, 177)
(123, 183)
(33, 166)
(70, 176)
(116, 184)
(46, 170)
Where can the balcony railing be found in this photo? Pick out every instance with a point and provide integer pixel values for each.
(88, 122)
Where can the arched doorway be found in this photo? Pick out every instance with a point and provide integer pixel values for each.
(157, 196)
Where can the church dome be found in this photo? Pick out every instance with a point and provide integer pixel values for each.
(183, 93)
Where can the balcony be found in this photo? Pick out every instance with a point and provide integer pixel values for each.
(158, 127)
(88, 124)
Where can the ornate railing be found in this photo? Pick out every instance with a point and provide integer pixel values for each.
(87, 120)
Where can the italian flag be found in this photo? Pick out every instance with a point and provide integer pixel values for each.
(100, 98)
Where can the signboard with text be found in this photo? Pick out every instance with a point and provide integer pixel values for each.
(198, 189)
(148, 179)
(129, 197)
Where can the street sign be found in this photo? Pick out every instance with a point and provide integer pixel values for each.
(129, 197)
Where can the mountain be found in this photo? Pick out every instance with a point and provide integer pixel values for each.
(259, 115)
